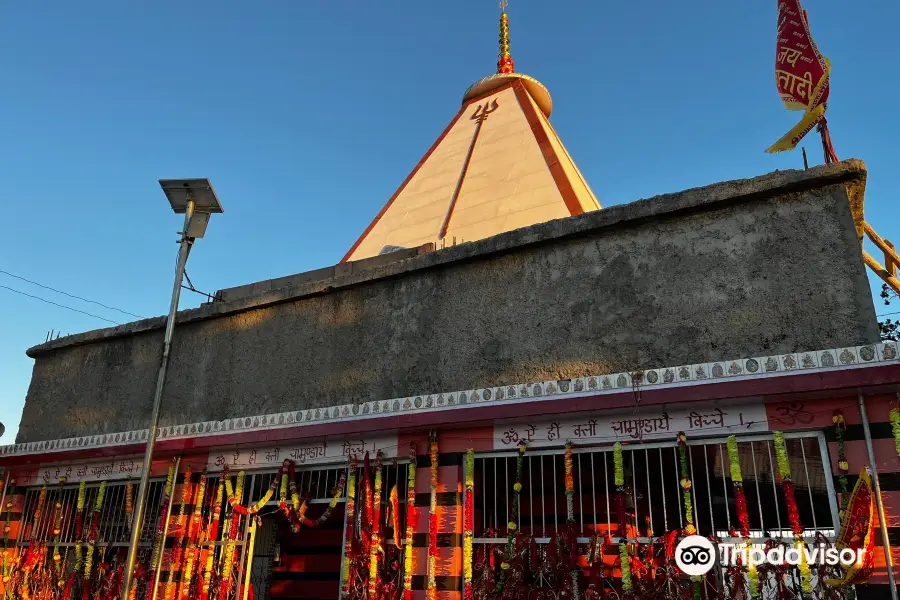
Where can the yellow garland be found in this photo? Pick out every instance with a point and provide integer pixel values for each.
(348, 545)
(617, 461)
(626, 567)
(784, 465)
(178, 552)
(733, 459)
(431, 588)
(375, 546)
(98, 506)
(211, 552)
(283, 491)
(408, 565)
(805, 579)
(468, 533)
(895, 427)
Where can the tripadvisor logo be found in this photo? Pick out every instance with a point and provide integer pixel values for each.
(695, 555)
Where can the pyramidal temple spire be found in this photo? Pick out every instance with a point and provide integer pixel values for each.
(498, 166)
(505, 63)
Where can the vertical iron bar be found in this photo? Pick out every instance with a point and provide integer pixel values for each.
(649, 492)
(725, 486)
(677, 486)
(762, 525)
(594, 492)
(637, 525)
(543, 506)
(555, 497)
(774, 489)
(712, 520)
(606, 486)
(662, 487)
(580, 496)
(812, 504)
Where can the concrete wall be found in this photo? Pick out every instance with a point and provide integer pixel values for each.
(736, 269)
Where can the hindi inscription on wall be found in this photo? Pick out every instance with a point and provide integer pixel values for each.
(633, 426)
(327, 450)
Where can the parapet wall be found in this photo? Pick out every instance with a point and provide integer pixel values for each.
(741, 268)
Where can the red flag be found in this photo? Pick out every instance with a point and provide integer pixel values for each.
(801, 73)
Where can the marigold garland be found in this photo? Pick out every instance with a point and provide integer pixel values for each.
(193, 538)
(784, 471)
(408, 557)
(619, 499)
(468, 524)
(129, 502)
(92, 541)
(57, 525)
(228, 554)
(211, 536)
(348, 540)
(513, 525)
(79, 526)
(10, 492)
(375, 547)
(156, 556)
(39, 509)
(395, 516)
(740, 500)
(840, 431)
(895, 427)
(175, 564)
(431, 588)
(570, 518)
(686, 484)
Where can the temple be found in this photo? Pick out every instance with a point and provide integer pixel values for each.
(501, 391)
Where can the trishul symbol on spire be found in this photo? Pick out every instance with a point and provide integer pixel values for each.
(481, 113)
(505, 63)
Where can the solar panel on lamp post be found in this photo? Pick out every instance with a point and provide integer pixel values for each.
(196, 200)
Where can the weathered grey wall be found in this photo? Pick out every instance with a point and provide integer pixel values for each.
(737, 269)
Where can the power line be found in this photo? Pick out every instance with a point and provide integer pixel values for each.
(60, 305)
(47, 287)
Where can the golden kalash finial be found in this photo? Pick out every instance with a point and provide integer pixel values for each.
(505, 64)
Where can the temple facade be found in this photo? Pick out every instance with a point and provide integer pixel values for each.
(501, 390)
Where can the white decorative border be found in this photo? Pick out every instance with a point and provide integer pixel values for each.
(746, 368)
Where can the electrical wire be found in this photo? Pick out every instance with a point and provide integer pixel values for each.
(47, 287)
(60, 305)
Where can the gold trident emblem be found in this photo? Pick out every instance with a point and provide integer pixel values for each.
(481, 113)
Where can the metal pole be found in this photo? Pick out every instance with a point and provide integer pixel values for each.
(885, 542)
(183, 250)
(165, 534)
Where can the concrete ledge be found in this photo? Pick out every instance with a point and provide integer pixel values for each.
(330, 279)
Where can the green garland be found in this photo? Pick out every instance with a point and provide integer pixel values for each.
(895, 427)
(512, 526)
(784, 465)
(624, 558)
(689, 528)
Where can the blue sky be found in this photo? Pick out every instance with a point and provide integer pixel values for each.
(307, 116)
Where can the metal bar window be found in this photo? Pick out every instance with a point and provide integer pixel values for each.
(649, 470)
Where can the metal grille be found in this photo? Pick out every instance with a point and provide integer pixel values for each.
(654, 494)
(114, 526)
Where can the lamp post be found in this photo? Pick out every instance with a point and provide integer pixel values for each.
(196, 200)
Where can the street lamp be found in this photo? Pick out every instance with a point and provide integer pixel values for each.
(196, 200)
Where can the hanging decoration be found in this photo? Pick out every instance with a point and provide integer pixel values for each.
(740, 501)
(468, 523)
(408, 555)
(193, 541)
(375, 547)
(348, 527)
(621, 519)
(228, 555)
(92, 541)
(431, 589)
(512, 528)
(895, 427)
(79, 526)
(156, 556)
(57, 530)
(570, 532)
(212, 535)
(686, 484)
(175, 563)
(10, 493)
(858, 532)
(840, 432)
(395, 516)
(129, 502)
(787, 486)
